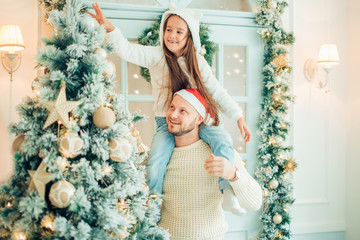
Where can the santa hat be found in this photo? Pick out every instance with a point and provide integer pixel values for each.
(190, 17)
(194, 97)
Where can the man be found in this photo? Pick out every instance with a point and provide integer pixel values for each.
(192, 200)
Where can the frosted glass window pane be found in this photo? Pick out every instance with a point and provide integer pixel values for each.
(232, 128)
(146, 128)
(232, 5)
(116, 60)
(139, 2)
(235, 70)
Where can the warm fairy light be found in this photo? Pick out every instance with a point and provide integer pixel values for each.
(107, 170)
(62, 163)
(272, 141)
(120, 205)
(19, 235)
(9, 204)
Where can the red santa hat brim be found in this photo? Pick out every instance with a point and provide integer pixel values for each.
(194, 97)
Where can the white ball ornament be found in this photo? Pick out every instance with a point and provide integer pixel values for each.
(110, 68)
(101, 52)
(272, 4)
(277, 218)
(120, 149)
(202, 50)
(61, 194)
(70, 145)
(274, 183)
(88, 22)
(104, 117)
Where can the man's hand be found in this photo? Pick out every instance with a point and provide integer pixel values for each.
(244, 129)
(100, 18)
(219, 167)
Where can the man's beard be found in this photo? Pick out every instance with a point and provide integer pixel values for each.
(182, 132)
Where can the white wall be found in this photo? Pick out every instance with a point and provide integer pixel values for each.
(326, 130)
(353, 121)
(25, 14)
(319, 120)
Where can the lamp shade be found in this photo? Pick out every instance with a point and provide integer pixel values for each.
(11, 38)
(328, 55)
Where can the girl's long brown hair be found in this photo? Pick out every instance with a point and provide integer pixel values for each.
(178, 79)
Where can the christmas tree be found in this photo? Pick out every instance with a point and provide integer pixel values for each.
(78, 158)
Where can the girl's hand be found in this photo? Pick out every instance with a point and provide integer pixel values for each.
(219, 167)
(244, 129)
(100, 18)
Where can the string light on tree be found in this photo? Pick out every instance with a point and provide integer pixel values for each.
(19, 235)
(272, 141)
(279, 235)
(48, 222)
(107, 170)
(62, 163)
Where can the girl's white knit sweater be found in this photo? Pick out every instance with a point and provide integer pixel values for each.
(153, 58)
(192, 200)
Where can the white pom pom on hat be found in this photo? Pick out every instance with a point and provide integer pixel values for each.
(194, 97)
(191, 18)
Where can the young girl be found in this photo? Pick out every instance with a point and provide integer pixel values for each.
(173, 66)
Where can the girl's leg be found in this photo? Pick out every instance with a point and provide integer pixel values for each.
(162, 146)
(221, 145)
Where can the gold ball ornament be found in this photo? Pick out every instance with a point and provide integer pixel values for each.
(70, 145)
(19, 141)
(274, 183)
(61, 194)
(277, 218)
(104, 117)
(120, 149)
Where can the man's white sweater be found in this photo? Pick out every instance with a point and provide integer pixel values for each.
(192, 199)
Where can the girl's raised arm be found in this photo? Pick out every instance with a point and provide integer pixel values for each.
(100, 18)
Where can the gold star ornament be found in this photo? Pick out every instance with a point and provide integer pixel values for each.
(39, 178)
(59, 109)
(281, 62)
(290, 166)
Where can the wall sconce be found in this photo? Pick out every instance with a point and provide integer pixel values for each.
(328, 56)
(11, 41)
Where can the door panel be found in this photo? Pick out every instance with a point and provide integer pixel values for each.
(238, 67)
